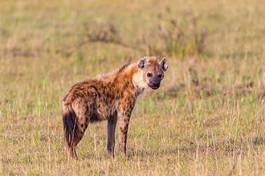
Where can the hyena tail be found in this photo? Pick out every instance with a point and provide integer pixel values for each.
(69, 124)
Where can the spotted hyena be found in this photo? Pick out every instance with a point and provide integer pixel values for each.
(109, 97)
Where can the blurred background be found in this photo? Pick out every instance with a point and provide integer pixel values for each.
(207, 119)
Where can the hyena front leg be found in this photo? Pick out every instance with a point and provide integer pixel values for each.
(124, 115)
(123, 127)
(111, 134)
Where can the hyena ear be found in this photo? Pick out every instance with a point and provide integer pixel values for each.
(163, 64)
(141, 62)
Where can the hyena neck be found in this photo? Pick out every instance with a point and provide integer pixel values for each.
(129, 79)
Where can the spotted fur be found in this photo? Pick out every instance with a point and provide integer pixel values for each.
(108, 97)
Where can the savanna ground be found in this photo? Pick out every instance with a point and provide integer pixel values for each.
(207, 119)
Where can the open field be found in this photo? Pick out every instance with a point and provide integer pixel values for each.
(208, 118)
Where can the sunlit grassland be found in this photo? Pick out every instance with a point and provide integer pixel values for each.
(207, 118)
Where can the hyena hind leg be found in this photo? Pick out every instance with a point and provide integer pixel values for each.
(75, 127)
(76, 139)
(73, 135)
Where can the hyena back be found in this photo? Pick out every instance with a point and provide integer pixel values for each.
(109, 97)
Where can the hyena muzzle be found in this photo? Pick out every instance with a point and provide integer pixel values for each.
(109, 97)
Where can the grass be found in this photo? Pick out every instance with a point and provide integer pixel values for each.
(207, 118)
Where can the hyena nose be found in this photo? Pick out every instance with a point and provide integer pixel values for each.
(157, 80)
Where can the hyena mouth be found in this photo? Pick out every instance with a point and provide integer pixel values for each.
(154, 86)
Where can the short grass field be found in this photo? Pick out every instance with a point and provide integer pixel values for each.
(208, 117)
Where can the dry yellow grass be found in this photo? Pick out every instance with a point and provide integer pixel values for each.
(207, 119)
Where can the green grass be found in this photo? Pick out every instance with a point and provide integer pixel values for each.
(215, 127)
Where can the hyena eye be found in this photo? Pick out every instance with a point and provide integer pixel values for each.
(160, 76)
(149, 74)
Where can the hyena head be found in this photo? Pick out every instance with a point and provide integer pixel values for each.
(150, 73)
